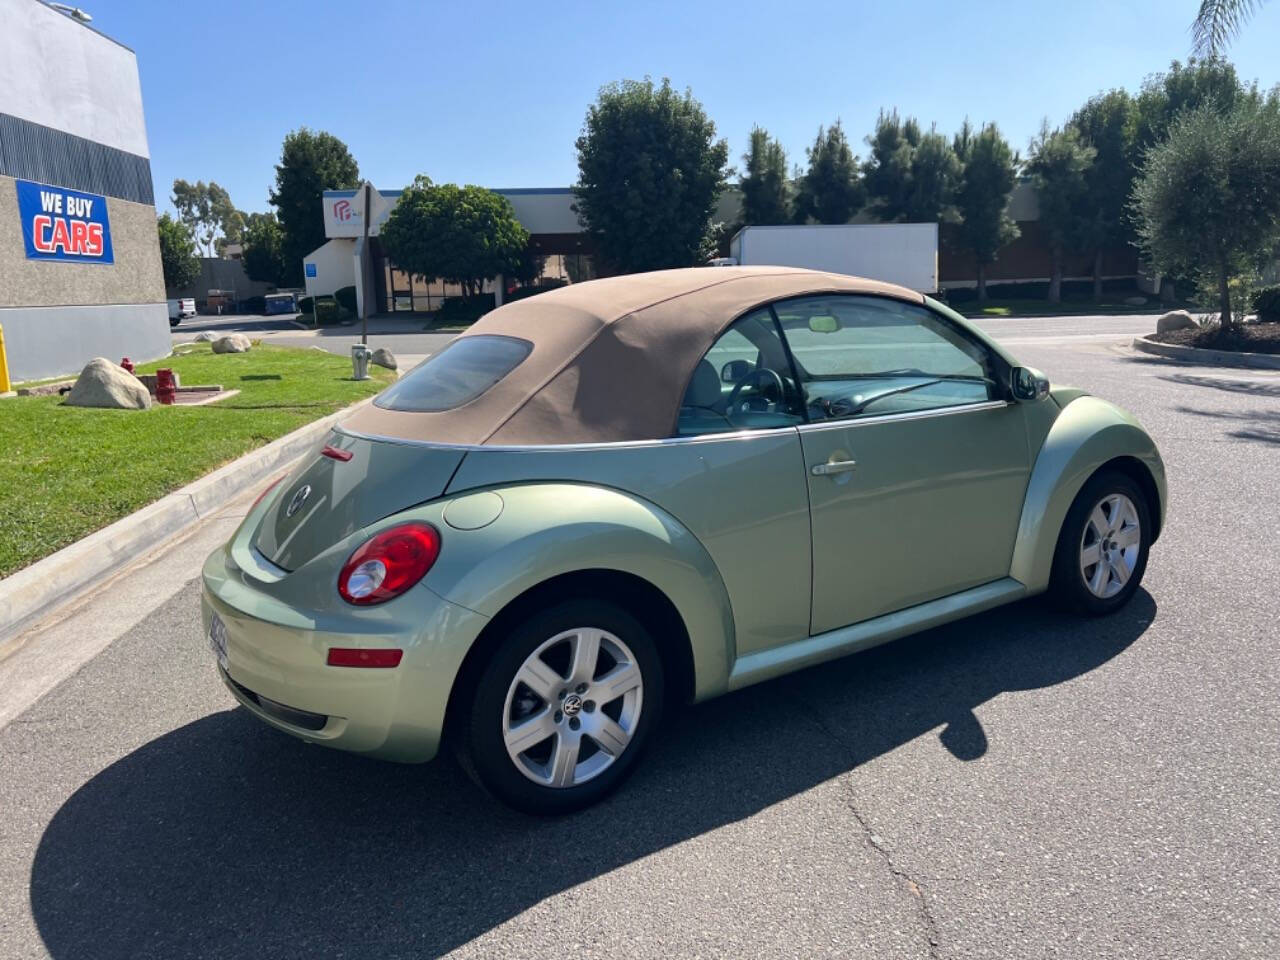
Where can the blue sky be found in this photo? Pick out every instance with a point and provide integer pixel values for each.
(495, 93)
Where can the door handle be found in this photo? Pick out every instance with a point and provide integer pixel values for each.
(833, 466)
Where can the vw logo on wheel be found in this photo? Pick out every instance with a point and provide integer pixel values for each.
(572, 705)
(298, 500)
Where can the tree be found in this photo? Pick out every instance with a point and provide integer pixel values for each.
(1219, 22)
(311, 162)
(764, 186)
(887, 172)
(1165, 95)
(1107, 123)
(1059, 165)
(989, 168)
(464, 235)
(910, 176)
(264, 256)
(233, 228)
(831, 191)
(206, 210)
(178, 257)
(650, 171)
(1208, 198)
(935, 178)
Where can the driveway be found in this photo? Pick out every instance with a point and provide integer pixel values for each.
(403, 337)
(1019, 784)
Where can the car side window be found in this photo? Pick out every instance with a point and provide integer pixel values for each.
(744, 382)
(863, 356)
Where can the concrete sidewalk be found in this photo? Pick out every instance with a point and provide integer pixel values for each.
(69, 635)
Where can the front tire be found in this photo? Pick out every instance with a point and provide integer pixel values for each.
(1102, 548)
(563, 709)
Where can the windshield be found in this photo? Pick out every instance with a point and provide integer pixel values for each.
(458, 374)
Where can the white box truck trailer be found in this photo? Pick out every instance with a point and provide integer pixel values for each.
(901, 253)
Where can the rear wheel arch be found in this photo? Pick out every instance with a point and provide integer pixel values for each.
(633, 594)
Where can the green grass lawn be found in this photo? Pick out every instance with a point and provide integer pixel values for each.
(69, 471)
(1040, 308)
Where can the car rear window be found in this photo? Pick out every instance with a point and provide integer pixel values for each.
(458, 374)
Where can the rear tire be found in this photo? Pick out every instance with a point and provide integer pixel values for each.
(1101, 554)
(561, 712)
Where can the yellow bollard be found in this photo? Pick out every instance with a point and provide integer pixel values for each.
(4, 367)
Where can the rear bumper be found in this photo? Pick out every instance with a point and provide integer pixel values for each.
(277, 650)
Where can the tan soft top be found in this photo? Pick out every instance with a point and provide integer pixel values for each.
(611, 358)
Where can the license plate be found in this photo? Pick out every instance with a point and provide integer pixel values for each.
(218, 640)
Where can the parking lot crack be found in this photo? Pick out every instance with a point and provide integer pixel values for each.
(914, 885)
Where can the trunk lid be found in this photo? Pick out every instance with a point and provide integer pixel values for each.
(328, 497)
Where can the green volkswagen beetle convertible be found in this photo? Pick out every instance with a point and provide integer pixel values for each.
(659, 488)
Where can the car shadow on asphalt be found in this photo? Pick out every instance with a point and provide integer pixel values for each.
(227, 839)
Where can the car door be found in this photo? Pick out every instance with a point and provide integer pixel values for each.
(732, 476)
(916, 463)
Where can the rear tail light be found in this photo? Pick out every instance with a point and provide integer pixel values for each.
(389, 564)
(270, 486)
(333, 453)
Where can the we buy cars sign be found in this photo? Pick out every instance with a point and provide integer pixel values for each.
(62, 224)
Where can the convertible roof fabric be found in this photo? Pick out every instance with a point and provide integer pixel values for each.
(610, 358)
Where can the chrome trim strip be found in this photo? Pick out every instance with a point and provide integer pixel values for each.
(667, 441)
(909, 415)
(552, 447)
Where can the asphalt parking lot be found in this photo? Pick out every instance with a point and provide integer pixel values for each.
(1020, 784)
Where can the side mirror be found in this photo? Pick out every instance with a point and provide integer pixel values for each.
(1028, 384)
(734, 370)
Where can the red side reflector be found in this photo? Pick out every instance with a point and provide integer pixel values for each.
(335, 454)
(354, 657)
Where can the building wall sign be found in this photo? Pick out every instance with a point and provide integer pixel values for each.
(62, 224)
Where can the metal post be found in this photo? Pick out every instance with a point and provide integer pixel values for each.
(364, 256)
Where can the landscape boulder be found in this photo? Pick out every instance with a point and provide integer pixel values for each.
(232, 343)
(383, 358)
(205, 336)
(1176, 320)
(105, 384)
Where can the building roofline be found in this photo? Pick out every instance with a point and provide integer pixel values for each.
(90, 28)
(510, 191)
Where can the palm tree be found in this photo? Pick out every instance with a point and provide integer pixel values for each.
(1218, 22)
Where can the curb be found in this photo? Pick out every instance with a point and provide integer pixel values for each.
(1217, 358)
(35, 590)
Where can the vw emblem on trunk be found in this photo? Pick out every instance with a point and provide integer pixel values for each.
(298, 500)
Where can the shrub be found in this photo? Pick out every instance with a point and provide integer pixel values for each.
(464, 310)
(521, 293)
(1038, 289)
(346, 296)
(1266, 304)
(329, 311)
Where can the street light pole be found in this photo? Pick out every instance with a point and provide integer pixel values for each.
(364, 260)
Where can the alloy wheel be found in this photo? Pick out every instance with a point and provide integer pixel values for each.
(572, 707)
(1110, 545)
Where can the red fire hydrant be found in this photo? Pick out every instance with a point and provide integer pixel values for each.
(127, 364)
(166, 391)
